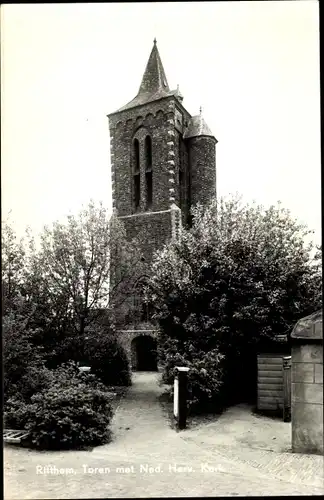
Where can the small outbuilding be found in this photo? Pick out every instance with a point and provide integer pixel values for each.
(307, 385)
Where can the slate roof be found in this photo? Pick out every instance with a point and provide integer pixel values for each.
(154, 86)
(154, 83)
(197, 127)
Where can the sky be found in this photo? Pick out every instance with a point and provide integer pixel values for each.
(252, 66)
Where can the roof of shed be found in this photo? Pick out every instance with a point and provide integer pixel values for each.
(310, 327)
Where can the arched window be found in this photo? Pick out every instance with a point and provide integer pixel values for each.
(136, 175)
(148, 171)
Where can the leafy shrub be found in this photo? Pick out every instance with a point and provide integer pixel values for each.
(74, 412)
(24, 371)
(21, 381)
(205, 376)
(16, 414)
(98, 348)
(107, 358)
(69, 417)
(35, 379)
(239, 276)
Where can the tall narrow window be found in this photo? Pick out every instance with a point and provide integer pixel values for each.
(148, 172)
(181, 176)
(136, 175)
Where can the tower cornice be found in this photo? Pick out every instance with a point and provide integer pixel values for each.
(172, 95)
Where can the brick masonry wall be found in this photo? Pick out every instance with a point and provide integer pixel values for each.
(127, 336)
(202, 160)
(152, 230)
(307, 398)
(158, 120)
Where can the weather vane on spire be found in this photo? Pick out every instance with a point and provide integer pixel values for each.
(154, 41)
(200, 110)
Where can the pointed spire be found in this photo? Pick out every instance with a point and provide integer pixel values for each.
(154, 84)
(154, 78)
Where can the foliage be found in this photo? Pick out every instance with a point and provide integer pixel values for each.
(205, 376)
(239, 276)
(98, 348)
(55, 298)
(75, 411)
(16, 413)
(65, 284)
(78, 258)
(12, 265)
(106, 356)
(69, 417)
(24, 369)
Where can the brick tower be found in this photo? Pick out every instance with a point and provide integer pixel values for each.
(162, 162)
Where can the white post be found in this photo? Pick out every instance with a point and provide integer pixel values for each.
(180, 396)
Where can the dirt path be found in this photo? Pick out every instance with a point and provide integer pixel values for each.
(149, 459)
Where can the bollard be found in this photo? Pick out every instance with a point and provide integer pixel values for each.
(180, 397)
(286, 364)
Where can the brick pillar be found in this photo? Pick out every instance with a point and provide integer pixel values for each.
(307, 385)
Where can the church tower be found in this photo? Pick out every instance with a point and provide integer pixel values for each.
(162, 160)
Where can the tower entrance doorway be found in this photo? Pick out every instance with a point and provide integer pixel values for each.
(144, 353)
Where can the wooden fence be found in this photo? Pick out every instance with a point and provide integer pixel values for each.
(274, 384)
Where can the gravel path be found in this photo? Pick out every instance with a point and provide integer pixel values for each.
(149, 459)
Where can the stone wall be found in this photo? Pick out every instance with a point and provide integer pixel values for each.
(202, 161)
(307, 394)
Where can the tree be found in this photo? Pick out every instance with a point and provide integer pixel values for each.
(77, 259)
(238, 277)
(12, 265)
(65, 284)
(23, 365)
